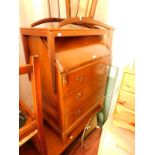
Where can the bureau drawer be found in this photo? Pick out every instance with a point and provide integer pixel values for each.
(127, 99)
(124, 114)
(128, 82)
(77, 78)
(77, 110)
(95, 89)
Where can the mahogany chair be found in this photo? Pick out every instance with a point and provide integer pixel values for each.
(33, 127)
(78, 12)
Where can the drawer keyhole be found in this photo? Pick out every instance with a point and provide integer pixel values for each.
(77, 112)
(78, 96)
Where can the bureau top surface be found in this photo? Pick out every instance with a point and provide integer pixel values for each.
(53, 27)
(72, 52)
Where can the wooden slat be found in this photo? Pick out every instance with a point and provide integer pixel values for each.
(93, 8)
(24, 140)
(36, 90)
(37, 99)
(26, 69)
(68, 9)
(86, 10)
(58, 9)
(77, 8)
(46, 20)
(27, 129)
(49, 8)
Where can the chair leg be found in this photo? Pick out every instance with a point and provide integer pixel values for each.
(43, 143)
(40, 143)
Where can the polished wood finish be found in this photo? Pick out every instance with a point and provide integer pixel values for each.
(128, 83)
(124, 114)
(72, 62)
(26, 69)
(73, 149)
(46, 20)
(68, 12)
(116, 140)
(89, 73)
(85, 21)
(93, 8)
(34, 124)
(127, 99)
(91, 144)
(89, 11)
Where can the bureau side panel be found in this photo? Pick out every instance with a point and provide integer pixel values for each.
(38, 47)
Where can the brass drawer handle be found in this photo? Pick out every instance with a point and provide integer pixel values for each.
(71, 137)
(79, 78)
(78, 96)
(78, 112)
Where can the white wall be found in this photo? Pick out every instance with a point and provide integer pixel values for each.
(121, 16)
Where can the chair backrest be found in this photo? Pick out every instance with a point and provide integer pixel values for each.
(81, 8)
(79, 12)
(74, 8)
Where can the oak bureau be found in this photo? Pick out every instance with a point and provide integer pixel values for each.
(74, 63)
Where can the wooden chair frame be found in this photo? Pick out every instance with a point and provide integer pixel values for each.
(91, 12)
(86, 21)
(34, 123)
